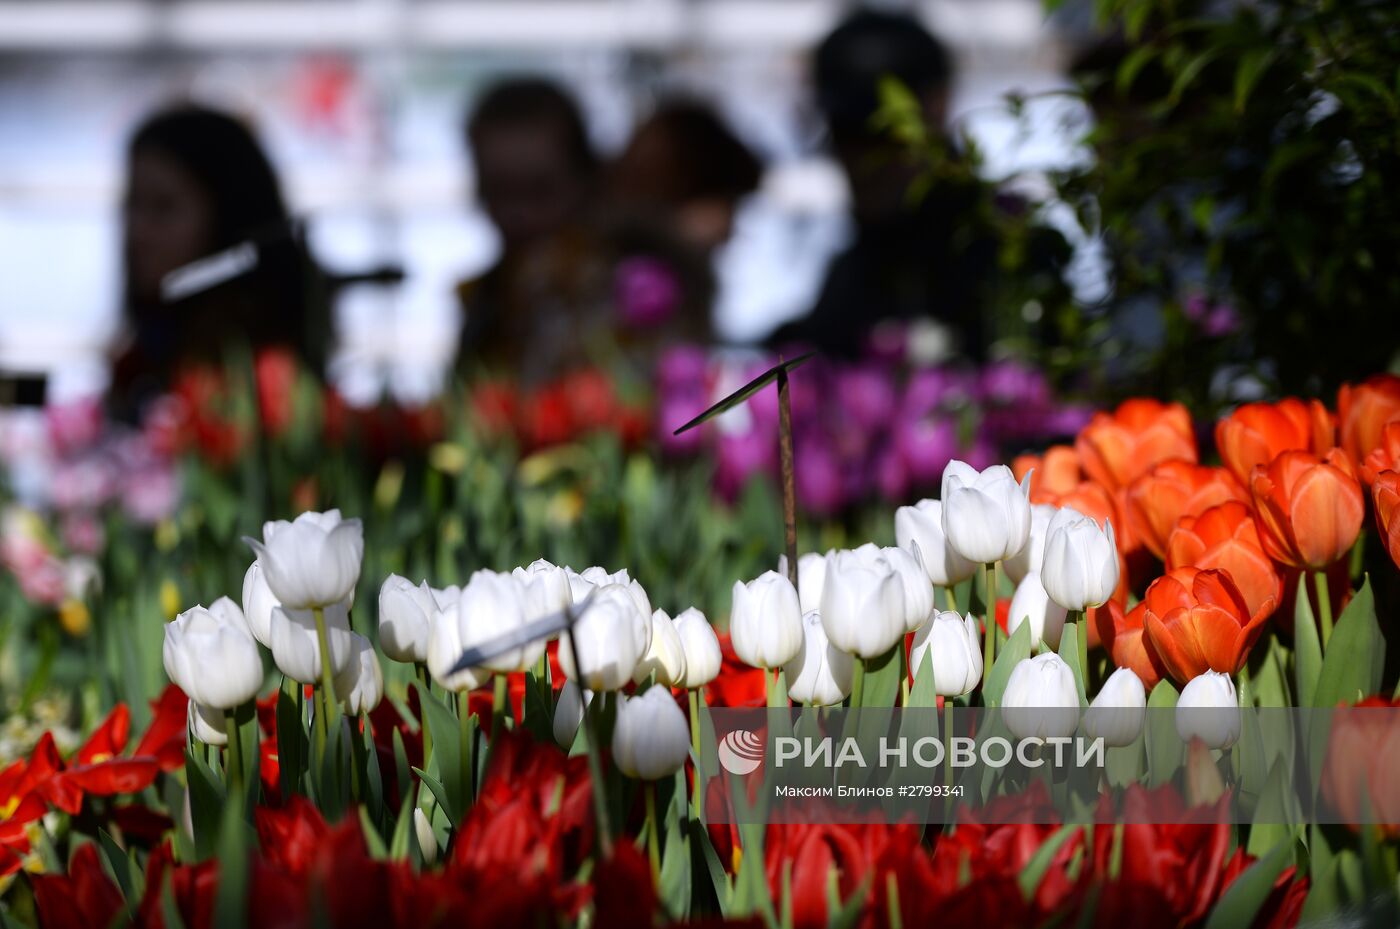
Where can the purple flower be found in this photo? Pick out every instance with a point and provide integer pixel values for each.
(934, 389)
(866, 394)
(890, 474)
(646, 290)
(1012, 383)
(819, 479)
(682, 368)
(83, 532)
(151, 495)
(741, 455)
(74, 426)
(674, 410)
(1213, 319)
(925, 445)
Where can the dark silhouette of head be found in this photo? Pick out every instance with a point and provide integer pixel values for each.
(534, 164)
(850, 64)
(197, 182)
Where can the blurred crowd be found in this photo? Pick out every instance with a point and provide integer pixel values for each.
(603, 260)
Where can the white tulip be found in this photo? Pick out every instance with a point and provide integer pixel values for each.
(986, 515)
(1080, 567)
(821, 674)
(1209, 709)
(651, 738)
(811, 576)
(1041, 699)
(862, 605)
(1117, 713)
(765, 622)
(446, 597)
(954, 648)
(258, 604)
(703, 657)
(207, 724)
(579, 586)
(1030, 603)
(406, 613)
(606, 636)
(295, 648)
(546, 589)
(423, 832)
(922, 523)
(601, 578)
(213, 658)
(313, 561)
(665, 657)
(1029, 558)
(361, 685)
(907, 565)
(568, 714)
(491, 605)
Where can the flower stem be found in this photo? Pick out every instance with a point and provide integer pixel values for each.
(950, 598)
(500, 698)
(653, 843)
(947, 759)
(695, 749)
(1324, 604)
(327, 678)
(858, 682)
(989, 640)
(235, 753)
(464, 755)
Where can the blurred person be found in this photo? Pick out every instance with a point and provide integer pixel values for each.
(536, 310)
(198, 182)
(917, 254)
(672, 196)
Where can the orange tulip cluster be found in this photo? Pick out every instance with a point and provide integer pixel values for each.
(1287, 500)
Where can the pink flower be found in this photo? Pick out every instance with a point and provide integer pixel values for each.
(646, 290)
(74, 426)
(151, 495)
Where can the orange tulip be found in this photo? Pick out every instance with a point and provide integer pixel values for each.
(1171, 490)
(1224, 537)
(1256, 432)
(1364, 409)
(1308, 510)
(1115, 449)
(1123, 635)
(1385, 493)
(1385, 456)
(1358, 778)
(1056, 472)
(1198, 621)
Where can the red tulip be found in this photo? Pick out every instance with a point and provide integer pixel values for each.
(1115, 449)
(1358, 776)
(1225, 537)
(1255, 434)
(738, 684)
(1198, 621)
(1171, 490)
(1385, 493)
(275, 373)
(1308, 509)
(1363, 411)
(1125, 639)
(82, 898)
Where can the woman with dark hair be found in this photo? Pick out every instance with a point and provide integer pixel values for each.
(197, 183)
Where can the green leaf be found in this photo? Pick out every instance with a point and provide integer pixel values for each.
(439, 792)
(1164, 749)
(447, 741)
(231, 896)
(1270, 827)
(1247, 893)
(1014, 651)
(883, 676)
(1189, 73)
(206, 801)
(1252, 66)
(292, 741)
(374, 842)
(403, 831)
(1355, 658)
(1034, 871)
(1128, 71)
(923, 693)
(1307, 647)
(1069, 654)
(119, 863)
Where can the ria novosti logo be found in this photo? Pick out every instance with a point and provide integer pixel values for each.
(741, 752)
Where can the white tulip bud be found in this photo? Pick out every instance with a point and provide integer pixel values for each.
(601, 578)
(579, 586)
(1029, 558)
(922, 523)
(1030, 603)
(1117, 713)
(207, 724)
(313, 561)
(862, 606)
(423, 832)
(258, 604)
(1041, 699)
(1209, 709)
(811, 576)
(608, 640)
(765, 623)
(568, 714)
(1080, 567)
(703, 656)
(651, 738)
(406, 613)
(446, 598)
(954, 648)
(666, 656)
(546, 589)
(986, 515)
(821, 674)
(213, 658)
(296, 649)
(361, 685)
(490, 606)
